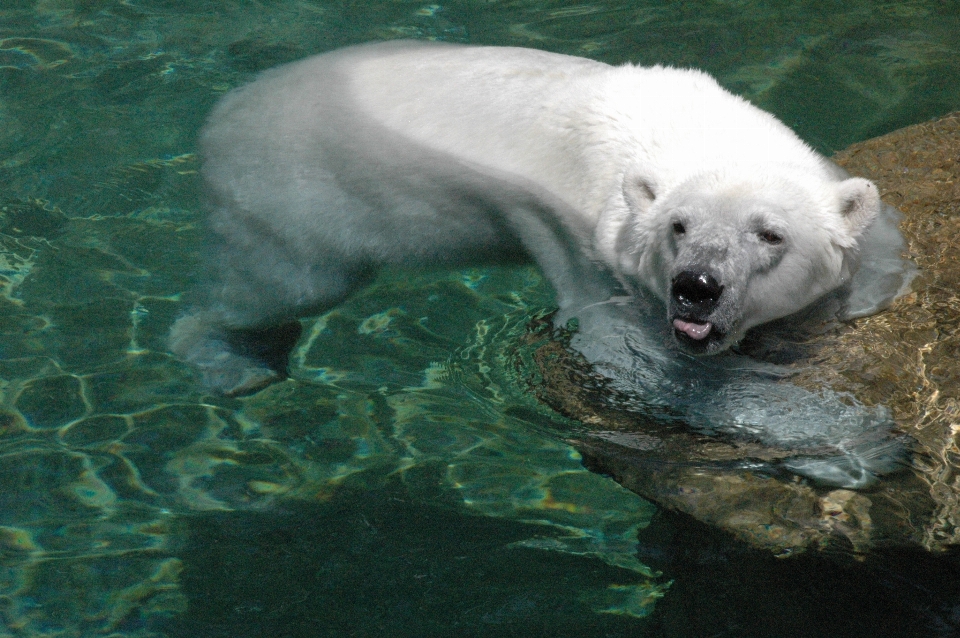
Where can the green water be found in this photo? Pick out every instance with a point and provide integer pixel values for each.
(402, 483)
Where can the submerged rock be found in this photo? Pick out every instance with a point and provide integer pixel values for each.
(905, 358)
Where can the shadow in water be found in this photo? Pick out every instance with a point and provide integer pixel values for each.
(380, 564)
(727, 589)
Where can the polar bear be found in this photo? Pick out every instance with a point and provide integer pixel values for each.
(617, 181)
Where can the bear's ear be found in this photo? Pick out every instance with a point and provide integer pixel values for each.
(639, 190)
(859, 204)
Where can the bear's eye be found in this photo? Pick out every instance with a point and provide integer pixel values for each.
(679, 228)
(771, 237)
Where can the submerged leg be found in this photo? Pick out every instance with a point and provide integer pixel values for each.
(233, 362)
(241, 336)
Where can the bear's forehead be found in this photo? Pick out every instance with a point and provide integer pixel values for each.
(796, 202)
(736, 208)
(754, 180)
(727, 217)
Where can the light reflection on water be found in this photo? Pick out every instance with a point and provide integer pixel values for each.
(116, 467)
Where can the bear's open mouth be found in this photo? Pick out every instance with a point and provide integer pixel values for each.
(696, 331)
(696, 336)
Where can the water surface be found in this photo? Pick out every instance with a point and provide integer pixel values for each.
(402, 483)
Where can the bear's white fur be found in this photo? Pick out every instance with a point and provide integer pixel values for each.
(613, 179)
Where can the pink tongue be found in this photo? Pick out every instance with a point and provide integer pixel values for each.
(693, 330)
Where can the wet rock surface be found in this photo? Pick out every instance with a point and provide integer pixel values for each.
(905, 358)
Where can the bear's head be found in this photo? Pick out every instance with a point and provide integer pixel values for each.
(730, 249)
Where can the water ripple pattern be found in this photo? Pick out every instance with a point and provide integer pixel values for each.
(108, 446)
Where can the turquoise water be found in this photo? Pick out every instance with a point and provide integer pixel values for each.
(402, 483)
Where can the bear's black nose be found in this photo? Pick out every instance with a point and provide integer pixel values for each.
(696, 293)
